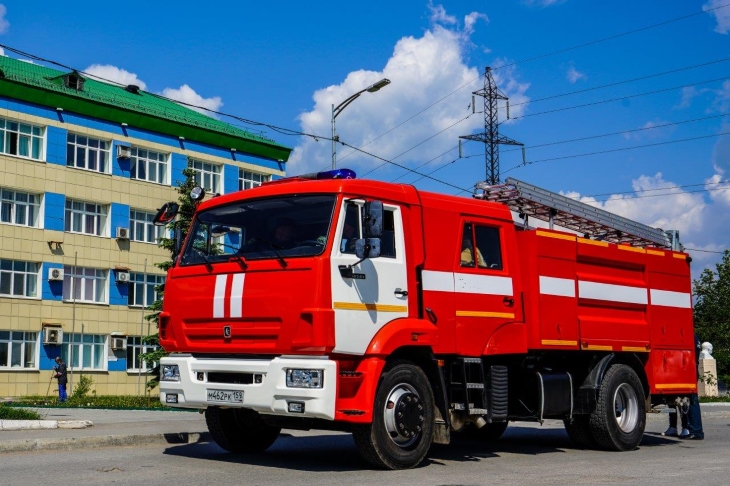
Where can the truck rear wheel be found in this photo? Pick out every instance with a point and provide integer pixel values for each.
(402, 429)
(240, 430)
(579, 431)
(619, 419)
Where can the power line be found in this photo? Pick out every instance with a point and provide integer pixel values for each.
(726, 181)
(706, 251)
(668, 194)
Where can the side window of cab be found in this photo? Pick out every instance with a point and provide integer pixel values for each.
(480, 247)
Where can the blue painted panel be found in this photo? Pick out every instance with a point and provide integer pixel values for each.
(120, 217)
(118, 292)
(50, 290)
(56, 145)
(120, 167)
(120, 364)
(49, 353)
(276, 177)
(54, 207)
(179, 164)
(230, 179)
(252, 159)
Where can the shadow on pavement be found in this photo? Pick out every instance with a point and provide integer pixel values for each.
(337, 453)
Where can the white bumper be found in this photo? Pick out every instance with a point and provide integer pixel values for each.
(271, 396)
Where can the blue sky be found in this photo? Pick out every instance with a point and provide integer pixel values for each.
(285, 63)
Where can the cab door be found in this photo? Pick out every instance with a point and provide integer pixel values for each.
(377, 291)
(484, 291)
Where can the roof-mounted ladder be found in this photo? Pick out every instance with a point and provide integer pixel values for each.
(592, 222)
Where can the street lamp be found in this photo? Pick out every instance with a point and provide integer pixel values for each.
(336, 110)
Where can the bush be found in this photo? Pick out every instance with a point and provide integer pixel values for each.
(12, 413)
(83, 387)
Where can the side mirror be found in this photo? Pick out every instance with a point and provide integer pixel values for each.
(166, 214)
(367, 248)
(373, 220)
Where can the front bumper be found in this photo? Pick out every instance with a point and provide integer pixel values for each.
(271, 396)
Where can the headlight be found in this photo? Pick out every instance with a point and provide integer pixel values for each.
(304, 378)
(170, 373)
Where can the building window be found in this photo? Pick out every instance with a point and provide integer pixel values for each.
(87, 153)
(84, 351)
(20, 208)
(247, 180)
(134, 349)
(21, 139)
(84, 217)
(18, 279)
(18, 349)
(142, 229)
(142, 291)
(207, 175)
(148, 165)
(89, 284)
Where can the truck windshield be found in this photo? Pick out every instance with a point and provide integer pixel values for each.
(280, 227)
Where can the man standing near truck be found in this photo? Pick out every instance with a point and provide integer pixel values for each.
(60, 373)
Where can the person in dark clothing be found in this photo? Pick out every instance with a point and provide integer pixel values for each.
(694, 414)
(60, 372)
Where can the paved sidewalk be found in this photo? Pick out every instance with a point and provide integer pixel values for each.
(110, 428)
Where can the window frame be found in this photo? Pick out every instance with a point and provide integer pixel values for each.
(243, 180)
(147, 225)
(137, 348)
(144, 280)
(25, 273)
(105, 153)
(481, 251)
(136, 158)
(5, 139)
(14, 203)
(204, 169)
(28, 338)
(82, 344)
(100, 217)
(100, 275)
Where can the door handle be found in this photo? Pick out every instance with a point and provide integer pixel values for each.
(508, 301)
(400, 292)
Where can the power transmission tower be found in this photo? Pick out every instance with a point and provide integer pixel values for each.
(491, 137)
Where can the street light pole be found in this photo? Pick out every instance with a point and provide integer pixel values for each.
(336, 110)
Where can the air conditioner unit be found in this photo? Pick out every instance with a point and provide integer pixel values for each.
(52, 335)
(122, 277)
(124, 152)
(55, 274)
(122, 233)
(119, 343)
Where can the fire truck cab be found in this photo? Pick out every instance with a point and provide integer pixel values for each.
(404, 316)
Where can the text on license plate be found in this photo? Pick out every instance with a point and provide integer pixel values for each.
(226, 396)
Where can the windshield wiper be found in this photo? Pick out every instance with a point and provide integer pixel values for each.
(202, 255)
(275, 248)
(236, 255)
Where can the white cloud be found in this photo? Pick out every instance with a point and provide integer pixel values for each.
(4, 24)
(688, 93)
(721, 103)
(186, 94)
(29, 61)
(701, 223)
(649, 131)
(107, 72)
(574, 75)
(422, 71)
(722, 15)
(543, 3)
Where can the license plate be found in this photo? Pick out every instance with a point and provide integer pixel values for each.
(225, 396)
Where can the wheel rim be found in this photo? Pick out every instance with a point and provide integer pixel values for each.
(403, 414)
(626, 407)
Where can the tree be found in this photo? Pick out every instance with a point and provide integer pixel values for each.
(181, 223)
(712, 313)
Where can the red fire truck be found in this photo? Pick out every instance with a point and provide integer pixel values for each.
(405, 316)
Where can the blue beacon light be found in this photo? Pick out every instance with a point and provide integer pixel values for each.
(337, 174)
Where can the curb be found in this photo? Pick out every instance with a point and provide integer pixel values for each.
(105, 441)
(44, 424)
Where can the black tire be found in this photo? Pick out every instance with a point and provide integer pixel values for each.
(579, 431)
(488, 433)
(619, 419)
(239, 430)
(394, 441)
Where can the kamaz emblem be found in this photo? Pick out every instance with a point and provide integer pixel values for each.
(226, 331)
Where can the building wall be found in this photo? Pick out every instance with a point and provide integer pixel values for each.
(48, 246)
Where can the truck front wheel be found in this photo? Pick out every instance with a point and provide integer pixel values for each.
(402, 429)
(619, 419)
(240, 430)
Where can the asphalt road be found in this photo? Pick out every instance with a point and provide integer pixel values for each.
(527, 454)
